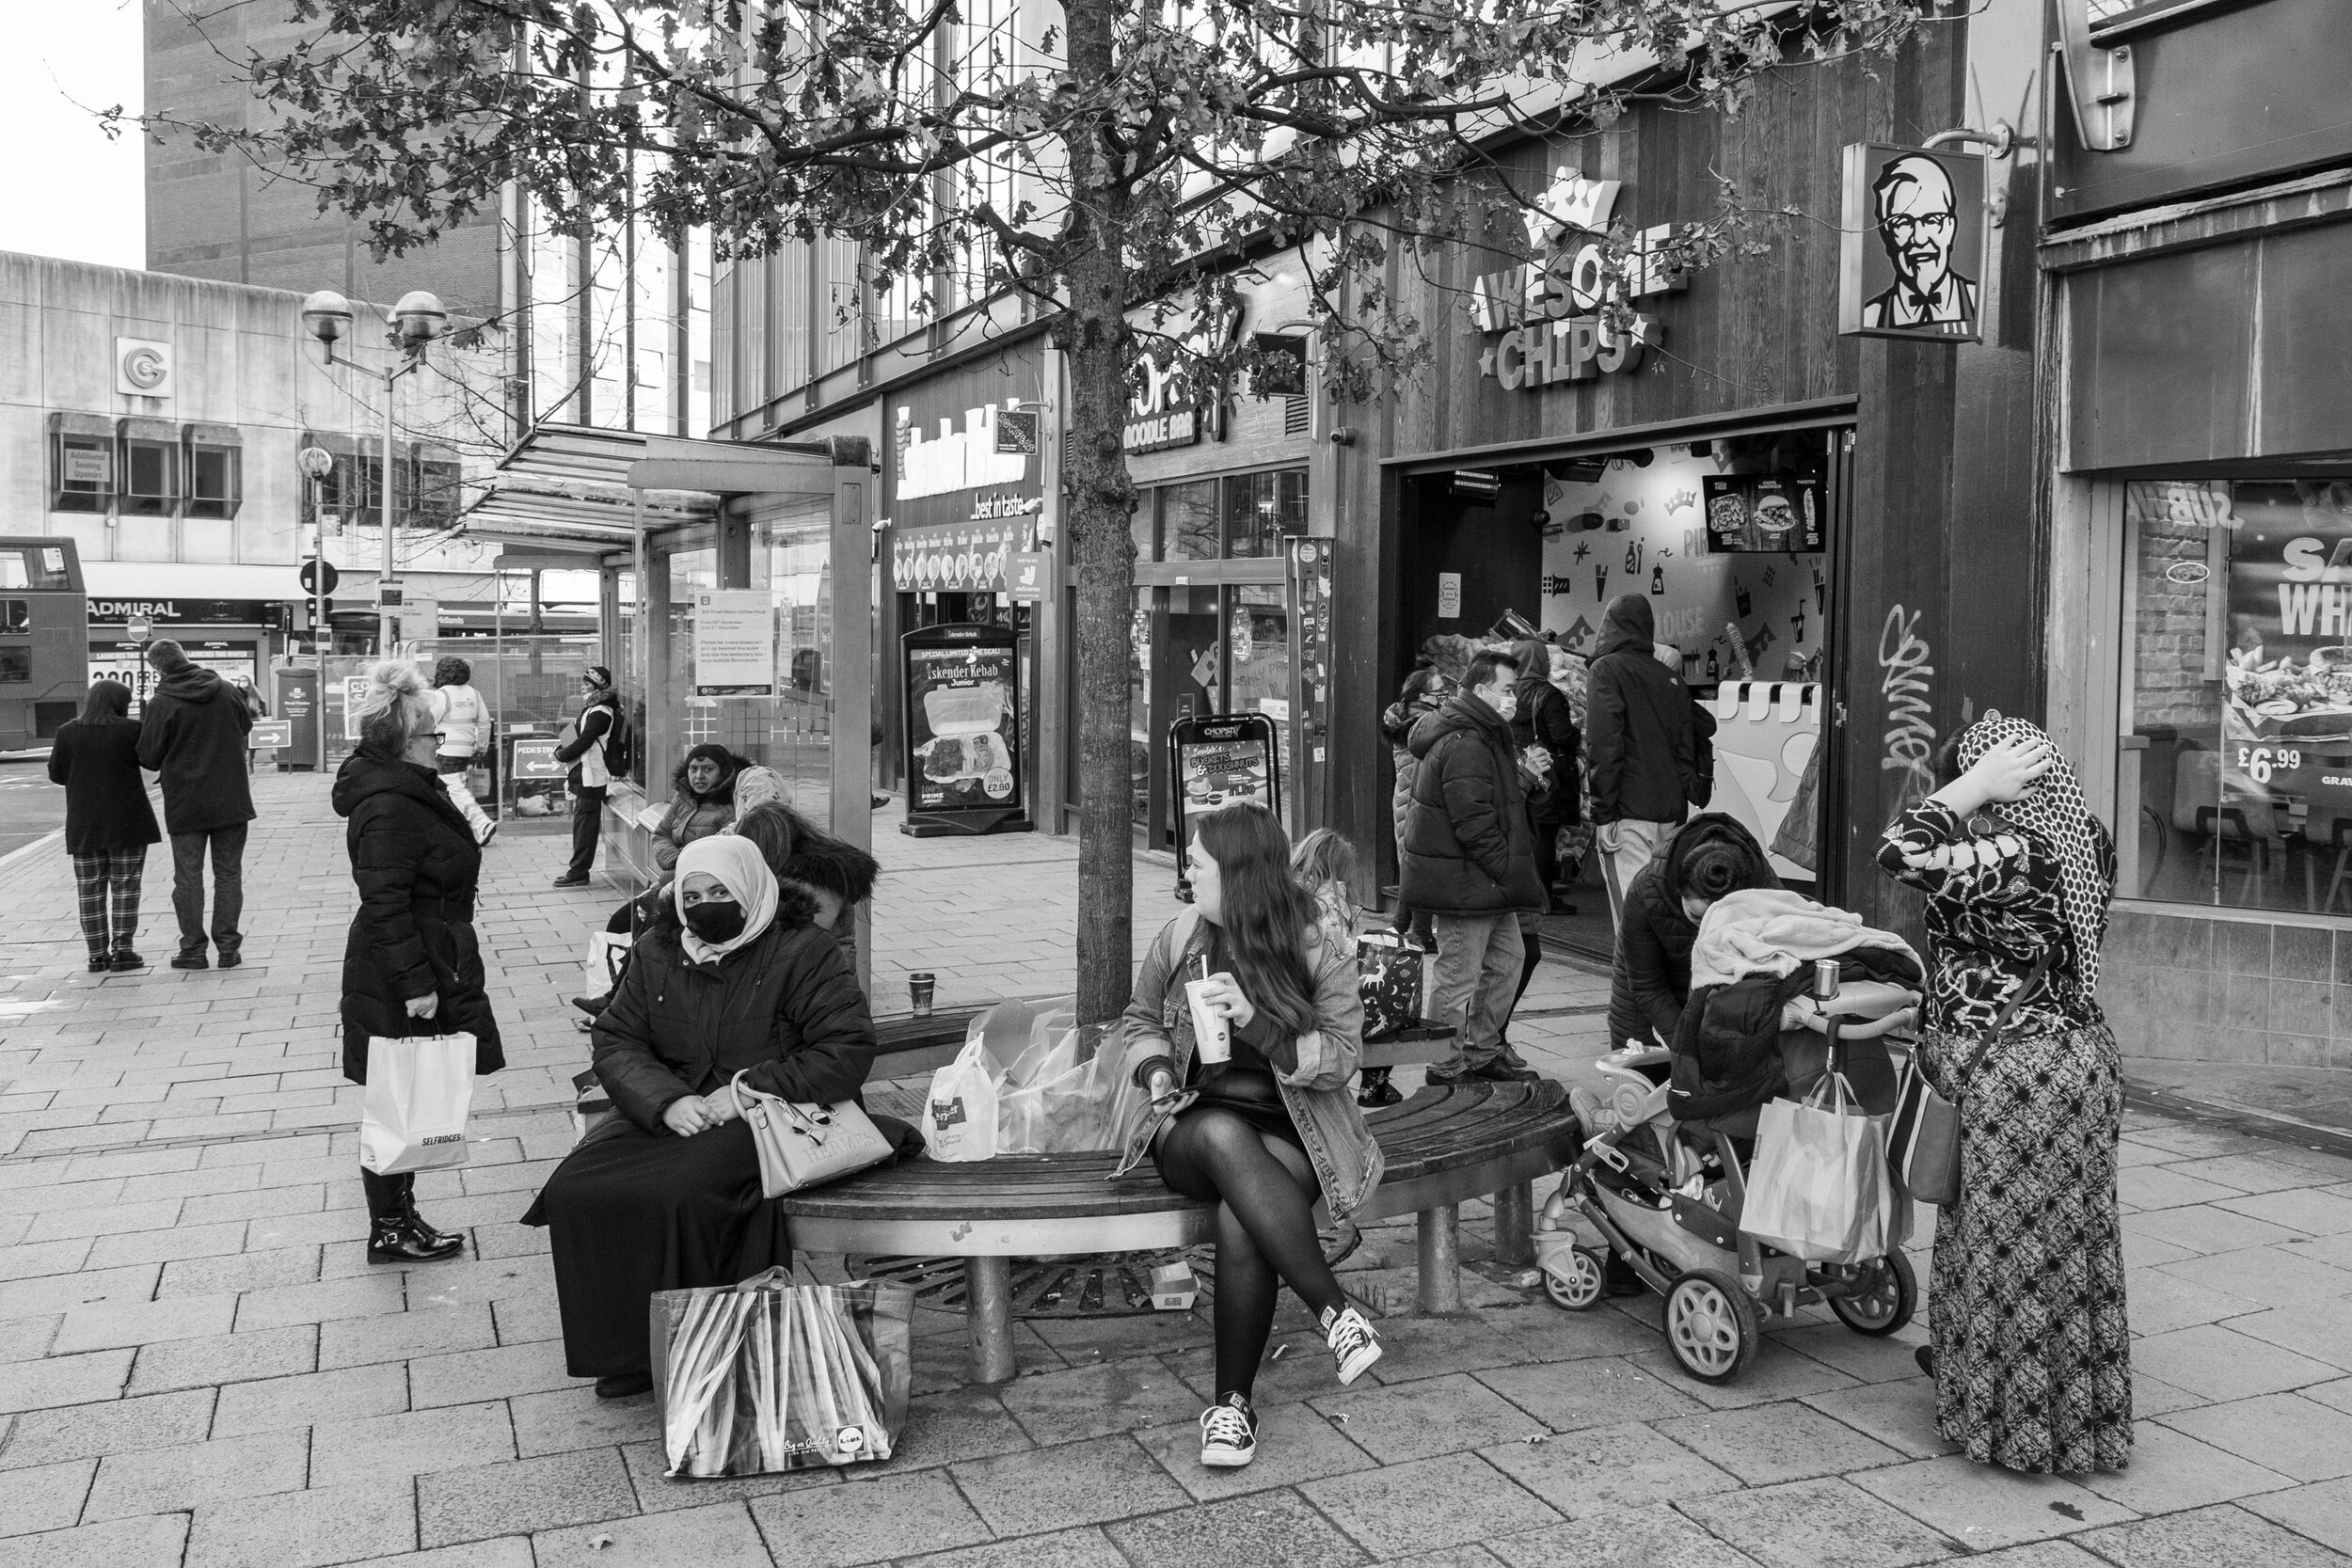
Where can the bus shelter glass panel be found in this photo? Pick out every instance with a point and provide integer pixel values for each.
(793, 733)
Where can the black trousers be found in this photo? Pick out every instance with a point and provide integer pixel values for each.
(587, 821)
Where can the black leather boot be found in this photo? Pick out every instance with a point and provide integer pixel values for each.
(392, 1235)
(417, 1227)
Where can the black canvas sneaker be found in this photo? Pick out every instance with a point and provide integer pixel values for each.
(1229, 1434)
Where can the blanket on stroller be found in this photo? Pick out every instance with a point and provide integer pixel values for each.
(1754, 956)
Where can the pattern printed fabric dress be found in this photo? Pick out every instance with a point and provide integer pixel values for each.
(2026, 1314)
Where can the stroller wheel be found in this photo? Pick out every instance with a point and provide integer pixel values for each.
(1886, 1300)
(1577, 1286)
(1711, 1325)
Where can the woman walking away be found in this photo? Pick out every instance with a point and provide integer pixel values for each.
(735, 976)
(1273, 1128)
(108, 821)
(464, 722)
(2031, 1353)
(585, 753)
(411, 964)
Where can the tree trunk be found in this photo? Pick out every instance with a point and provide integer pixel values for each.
(1100, 497)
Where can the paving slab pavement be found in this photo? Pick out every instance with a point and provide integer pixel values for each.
(198, 1367)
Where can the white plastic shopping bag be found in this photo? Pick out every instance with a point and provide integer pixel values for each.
(959, 1113)
(602, 967)
(1820, 1188)
(420, 1089)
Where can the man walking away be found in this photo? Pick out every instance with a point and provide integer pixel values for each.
(589, 776)
(1641, 746)
(1468, 859)
(194, 733)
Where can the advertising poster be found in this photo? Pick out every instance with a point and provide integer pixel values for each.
(963, 730)
(1756, 513)
(1223, 760)
(735, 644)
(2287, 727)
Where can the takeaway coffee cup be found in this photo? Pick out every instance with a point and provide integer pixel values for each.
(919, 988)
(1212, 1029)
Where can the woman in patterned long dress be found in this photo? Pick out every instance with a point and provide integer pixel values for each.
(2031, 1353)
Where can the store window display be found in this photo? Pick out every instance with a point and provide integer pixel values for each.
(2238, 694)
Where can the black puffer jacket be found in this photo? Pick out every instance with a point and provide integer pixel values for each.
(1468, 846)
(416, 867)
(1651, 980)
(1638, 738)
(784, 1006)
(193, 732)
(1544, 719)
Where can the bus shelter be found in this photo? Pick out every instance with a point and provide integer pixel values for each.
(721, 619)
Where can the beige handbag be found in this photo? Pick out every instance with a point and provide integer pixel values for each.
(807, 1146)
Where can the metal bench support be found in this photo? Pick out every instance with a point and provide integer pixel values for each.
(1514, 1225)
(1440, 1260)
(988, 1318)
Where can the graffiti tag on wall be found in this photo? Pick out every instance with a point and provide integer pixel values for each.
(1904, 677)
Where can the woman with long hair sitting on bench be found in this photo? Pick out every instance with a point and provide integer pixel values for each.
(1272, 1127)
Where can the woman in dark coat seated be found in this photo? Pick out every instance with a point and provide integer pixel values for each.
(411, 964)
(734, 976)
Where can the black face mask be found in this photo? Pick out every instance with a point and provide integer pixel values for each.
(716, 923)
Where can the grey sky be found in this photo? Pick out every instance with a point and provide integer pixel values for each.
(69, 191)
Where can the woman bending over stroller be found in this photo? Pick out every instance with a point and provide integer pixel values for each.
(1273, 1129)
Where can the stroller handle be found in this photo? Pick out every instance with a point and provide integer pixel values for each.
(1864, 1029)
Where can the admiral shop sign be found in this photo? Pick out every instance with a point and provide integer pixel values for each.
(1553, 313)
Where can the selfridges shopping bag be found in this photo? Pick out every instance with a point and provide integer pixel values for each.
(959, 1113)
(419, 1092)
(1819, 1189)
(768, 1376)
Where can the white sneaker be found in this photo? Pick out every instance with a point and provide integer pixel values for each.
(1229, 1434)
(1354, 1346)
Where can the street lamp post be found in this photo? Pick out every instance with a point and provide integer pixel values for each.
(414, 323)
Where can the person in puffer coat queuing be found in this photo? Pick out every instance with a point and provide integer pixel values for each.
(1470, 860)
(412, 964)
(108, 823)
(1271, 1128)
(735, 978)
(1424, 691)
(1639, 743)
(193, 733)
(1650, 984)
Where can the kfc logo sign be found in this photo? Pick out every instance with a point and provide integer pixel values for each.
(1913, 244)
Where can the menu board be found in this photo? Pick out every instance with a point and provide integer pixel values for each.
(962, 730)
(1753, 514)
(1223, 760)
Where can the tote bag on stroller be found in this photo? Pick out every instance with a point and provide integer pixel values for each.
(1820, 1188)
(419, 1090)
(768, 1376)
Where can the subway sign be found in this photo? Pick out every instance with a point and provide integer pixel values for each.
(1555, 313)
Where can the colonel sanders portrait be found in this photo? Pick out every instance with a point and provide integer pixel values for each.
(1916, 222)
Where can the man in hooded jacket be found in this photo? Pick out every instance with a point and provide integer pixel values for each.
(193, 732)
(1640, 745)
(1468, 858)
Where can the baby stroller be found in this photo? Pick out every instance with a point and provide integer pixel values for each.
(1662, 1183)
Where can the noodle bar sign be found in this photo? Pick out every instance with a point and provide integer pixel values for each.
(1553, 312)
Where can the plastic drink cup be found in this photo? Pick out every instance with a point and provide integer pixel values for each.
(1212, 1029)
(920, 986)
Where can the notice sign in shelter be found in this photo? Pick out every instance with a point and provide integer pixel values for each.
(963, 730)
(1227, 759)
(735, 644)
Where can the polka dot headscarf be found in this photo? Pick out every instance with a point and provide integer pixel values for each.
(2054, 809)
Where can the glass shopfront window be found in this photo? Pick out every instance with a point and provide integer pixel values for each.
(2237, 694)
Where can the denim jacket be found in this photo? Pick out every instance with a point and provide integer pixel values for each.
(1313, 1086)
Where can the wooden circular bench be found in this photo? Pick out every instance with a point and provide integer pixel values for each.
(1441, 1146)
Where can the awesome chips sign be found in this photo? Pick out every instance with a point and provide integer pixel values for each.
(1560, 316)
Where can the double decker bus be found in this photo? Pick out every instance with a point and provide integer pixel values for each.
(44, 637)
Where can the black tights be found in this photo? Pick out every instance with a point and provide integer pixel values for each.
(1264, 1190)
